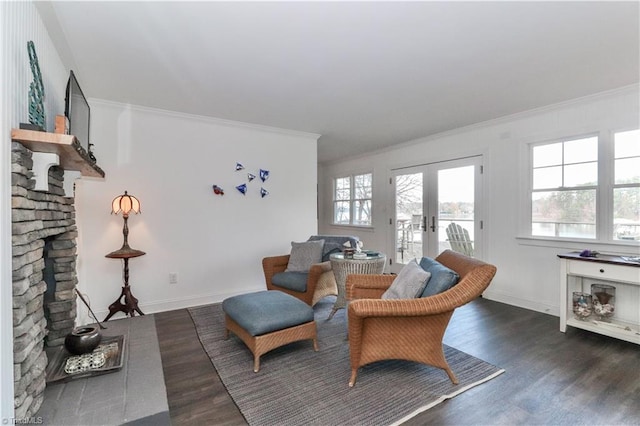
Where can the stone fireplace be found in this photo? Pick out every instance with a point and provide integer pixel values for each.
(43, 274)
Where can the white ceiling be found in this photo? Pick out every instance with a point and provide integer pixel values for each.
(364, 75)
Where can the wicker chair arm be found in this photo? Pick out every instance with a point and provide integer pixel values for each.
(367, 286)
(272, 265)
(470, 287)
(320, 267)
(316, 270)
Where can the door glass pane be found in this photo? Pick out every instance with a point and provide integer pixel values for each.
(409, 190)
(456, 209)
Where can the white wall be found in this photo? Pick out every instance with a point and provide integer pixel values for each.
(215, 243)
(528, 272)
(19, 23)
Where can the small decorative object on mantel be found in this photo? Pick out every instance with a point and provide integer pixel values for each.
(62, 125)
(239, 167)
(264, 174)
(251, 176)
(263, 192)
(217, 190)
(37, 120)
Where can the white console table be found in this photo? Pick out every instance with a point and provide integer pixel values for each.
(578, 273)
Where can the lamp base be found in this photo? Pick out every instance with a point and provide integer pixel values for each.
(129, 307)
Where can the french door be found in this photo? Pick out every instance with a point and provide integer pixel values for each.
(437, 207)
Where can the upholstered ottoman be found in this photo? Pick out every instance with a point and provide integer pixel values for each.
(266, 320)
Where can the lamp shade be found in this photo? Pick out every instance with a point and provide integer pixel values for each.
(125, 204)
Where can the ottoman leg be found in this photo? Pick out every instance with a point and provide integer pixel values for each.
(256, 363)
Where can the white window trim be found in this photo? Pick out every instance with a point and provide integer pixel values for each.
(352, 200)
(604, 196)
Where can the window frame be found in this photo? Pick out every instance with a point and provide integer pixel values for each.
(604, 211)
(352, 200)
(564, 165)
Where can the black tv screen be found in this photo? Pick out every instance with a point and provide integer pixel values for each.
(77, 111)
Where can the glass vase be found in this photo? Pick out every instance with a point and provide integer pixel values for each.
(604, 298)
(582, 305)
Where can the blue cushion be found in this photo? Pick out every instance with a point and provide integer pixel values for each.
(442, 278)
(334, 243)
(266, 311)
(296, 281)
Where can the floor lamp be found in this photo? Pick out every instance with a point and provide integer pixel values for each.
(125, 204)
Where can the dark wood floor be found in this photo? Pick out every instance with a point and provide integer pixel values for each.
(551, 378)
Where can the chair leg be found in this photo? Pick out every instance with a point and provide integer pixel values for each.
(352, 380)
(452, 376)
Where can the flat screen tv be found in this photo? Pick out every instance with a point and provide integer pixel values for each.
(77, 111)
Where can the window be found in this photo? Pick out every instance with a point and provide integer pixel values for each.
(352, 200)
(581, 188)
(626, 186)
(563, 198)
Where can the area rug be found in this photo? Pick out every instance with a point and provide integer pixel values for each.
(298, 386)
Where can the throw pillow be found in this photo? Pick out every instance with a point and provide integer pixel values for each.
(304, 255)
(442, 278)
(409, 283)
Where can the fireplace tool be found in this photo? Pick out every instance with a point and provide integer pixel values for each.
(102, 327)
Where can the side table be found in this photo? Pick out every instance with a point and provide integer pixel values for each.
(342, 267)
(130, 305)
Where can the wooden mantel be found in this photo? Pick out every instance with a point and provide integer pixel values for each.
(72, 155)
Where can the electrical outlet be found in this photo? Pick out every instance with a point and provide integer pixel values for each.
(173, 278)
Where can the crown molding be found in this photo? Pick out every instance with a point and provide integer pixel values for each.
(209, 120)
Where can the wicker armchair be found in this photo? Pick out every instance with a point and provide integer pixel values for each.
(409, 329)
(320, 281)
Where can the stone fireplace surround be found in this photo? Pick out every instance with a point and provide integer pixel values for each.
(39, 219)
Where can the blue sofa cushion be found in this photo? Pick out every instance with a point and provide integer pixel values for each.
(334, 243)
(266, 311)
(442, 278)
(296, 281)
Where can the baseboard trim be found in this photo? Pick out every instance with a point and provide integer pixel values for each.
(180, 303)
(522, 303)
